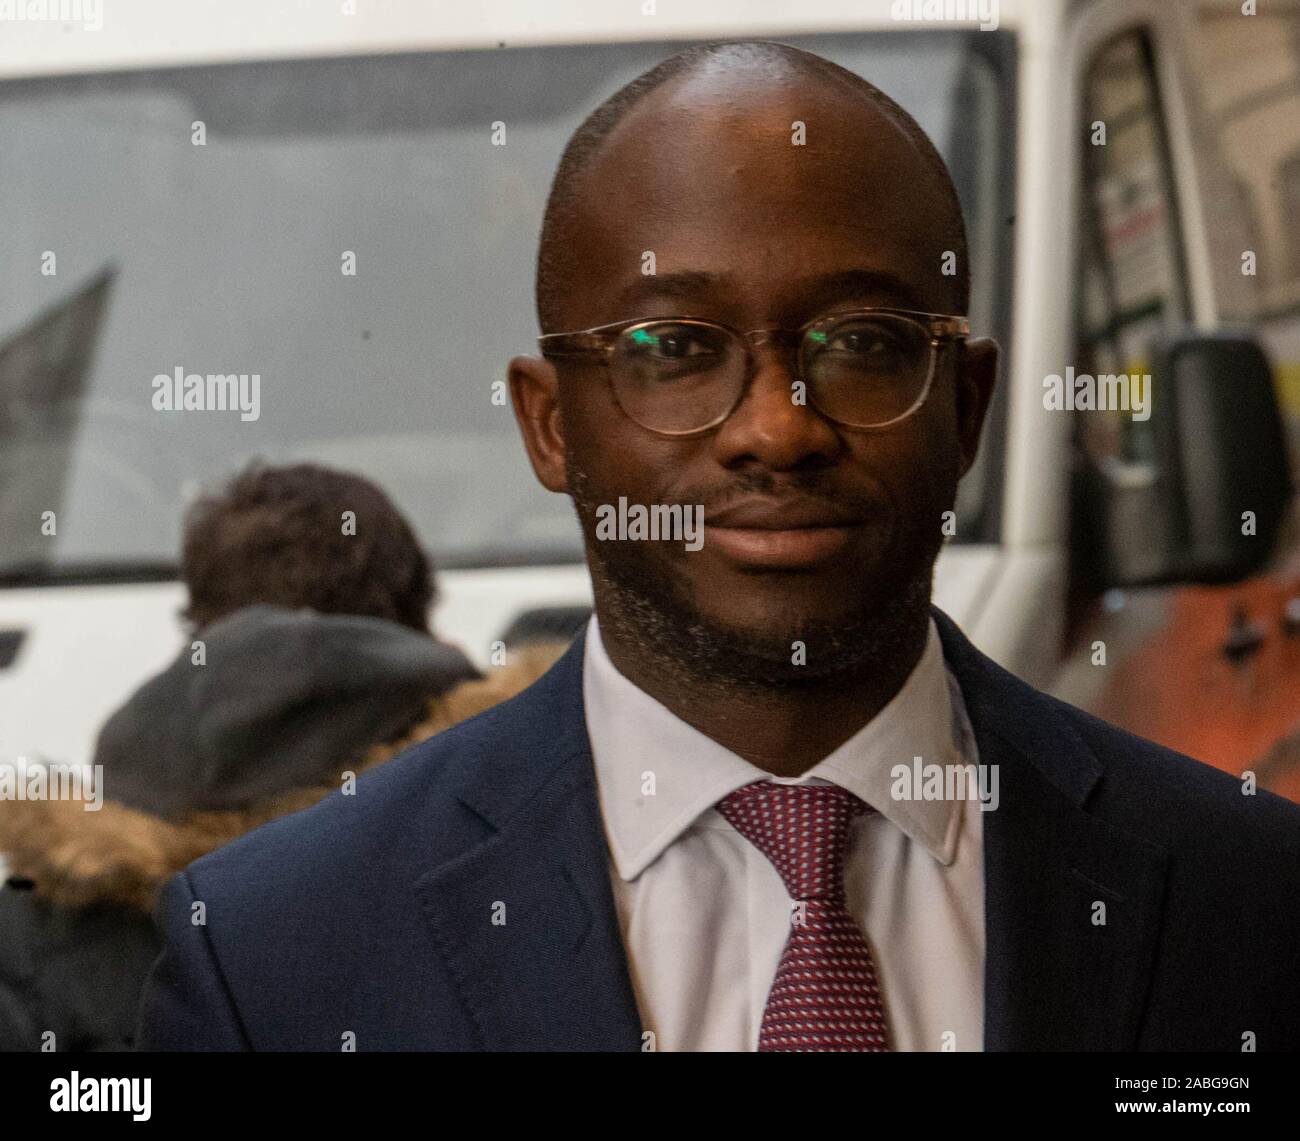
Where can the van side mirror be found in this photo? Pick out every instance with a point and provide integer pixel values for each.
(1216, 451)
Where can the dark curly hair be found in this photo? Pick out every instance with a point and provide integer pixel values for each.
(277, 535)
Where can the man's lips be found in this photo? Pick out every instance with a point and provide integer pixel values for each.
(779, 535)
(792, 549)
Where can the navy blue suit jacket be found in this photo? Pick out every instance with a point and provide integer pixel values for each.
(373, 914)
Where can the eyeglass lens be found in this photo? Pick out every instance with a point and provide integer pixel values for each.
(677, 376)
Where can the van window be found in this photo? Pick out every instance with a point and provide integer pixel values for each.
(348, 231)
(1248, 72)
(1131, 278)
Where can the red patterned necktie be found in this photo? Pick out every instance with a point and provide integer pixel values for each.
(825, 996)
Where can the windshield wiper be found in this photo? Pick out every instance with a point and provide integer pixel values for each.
(36, 573)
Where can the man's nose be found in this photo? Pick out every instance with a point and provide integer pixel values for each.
(774, 424)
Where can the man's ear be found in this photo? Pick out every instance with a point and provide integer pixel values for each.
(977, 372)
(535, 392)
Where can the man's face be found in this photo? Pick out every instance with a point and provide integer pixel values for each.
(809, 527)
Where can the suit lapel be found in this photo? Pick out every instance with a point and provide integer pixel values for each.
(1072, 903)
(526, 921)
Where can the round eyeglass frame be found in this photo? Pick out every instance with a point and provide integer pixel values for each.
(602, 340)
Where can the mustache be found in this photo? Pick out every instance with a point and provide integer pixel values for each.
(804, 486)
(809, 487)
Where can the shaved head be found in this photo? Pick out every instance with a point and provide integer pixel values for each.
(745, 63)
(756, 187)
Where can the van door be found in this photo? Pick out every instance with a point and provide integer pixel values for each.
(1184, 219)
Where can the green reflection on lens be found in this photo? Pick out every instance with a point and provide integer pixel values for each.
(644, 337)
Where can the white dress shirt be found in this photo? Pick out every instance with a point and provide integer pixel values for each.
(704, 914)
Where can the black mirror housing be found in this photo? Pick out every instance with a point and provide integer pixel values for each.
(1209, 506)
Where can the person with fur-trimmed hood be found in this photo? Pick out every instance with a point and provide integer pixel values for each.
(311, 660)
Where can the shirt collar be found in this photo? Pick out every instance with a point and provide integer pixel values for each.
(656, 775)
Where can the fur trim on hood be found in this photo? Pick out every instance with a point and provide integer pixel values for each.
(122, 856)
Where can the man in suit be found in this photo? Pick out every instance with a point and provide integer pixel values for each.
(712, 824)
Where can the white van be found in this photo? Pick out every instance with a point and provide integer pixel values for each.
(343, 198)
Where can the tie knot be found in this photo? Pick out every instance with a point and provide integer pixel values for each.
(803, 829)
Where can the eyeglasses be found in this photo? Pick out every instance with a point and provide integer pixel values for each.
(679, 376)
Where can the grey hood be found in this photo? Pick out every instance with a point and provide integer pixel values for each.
(284, 698)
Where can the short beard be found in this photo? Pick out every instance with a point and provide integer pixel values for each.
(640, 604)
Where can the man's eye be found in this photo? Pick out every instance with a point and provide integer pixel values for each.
(862, 342)
(672, 344)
